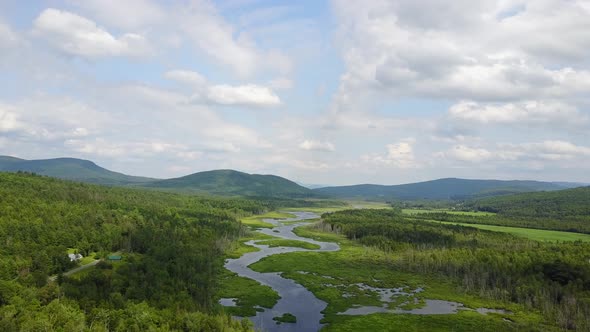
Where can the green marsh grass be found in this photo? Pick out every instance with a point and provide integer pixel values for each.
(331, 275)
(529, 233)
(289, 243)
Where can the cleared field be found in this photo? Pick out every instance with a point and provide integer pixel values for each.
(257, 220)
(318, 210)
(530, 233)
(289, 243)
(465, 213)
(350, 205)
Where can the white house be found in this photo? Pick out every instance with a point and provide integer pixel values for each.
(75, 257)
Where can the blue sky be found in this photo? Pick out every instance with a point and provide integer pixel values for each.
(325, 92)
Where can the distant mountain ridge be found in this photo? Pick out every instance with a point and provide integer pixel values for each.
(217, 182)
(235, 183)
(70, 169)
(441, 189)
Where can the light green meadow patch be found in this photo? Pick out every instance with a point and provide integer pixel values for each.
(319, 210)
(277, 215)
(300, 221)
(239, 248)
(349, 205)
(88, 259)
(465, 213)
(249, 294)
(258, 222)
(289, 243)
(530, 233)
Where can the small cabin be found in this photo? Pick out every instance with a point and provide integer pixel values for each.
(75, 257)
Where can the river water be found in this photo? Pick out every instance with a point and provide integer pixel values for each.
(295, 299)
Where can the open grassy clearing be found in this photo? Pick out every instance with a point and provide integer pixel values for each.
(88, 259)
(349, 205)
(333, 276)
(465, 213)
(240, 247)
(289, 243)
(368, 205)
(530, 233)
(257, 220)
(300, 221)
(318, 210)
(248, 293)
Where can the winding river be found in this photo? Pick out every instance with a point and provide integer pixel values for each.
(295, 299)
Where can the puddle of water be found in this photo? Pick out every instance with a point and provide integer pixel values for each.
(228, 302)
(430, 307)
(434, 307)
(365, 310)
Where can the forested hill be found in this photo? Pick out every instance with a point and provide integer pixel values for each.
(560, 204)
(70, 169)
(442, 189)
(217, 182)
(172, 248)
(234, 183)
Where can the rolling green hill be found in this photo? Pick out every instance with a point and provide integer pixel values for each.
(559, 204)
(234, 183)
(70, 169)
(442, 189)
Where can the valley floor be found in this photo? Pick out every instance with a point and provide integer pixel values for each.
(358, 279)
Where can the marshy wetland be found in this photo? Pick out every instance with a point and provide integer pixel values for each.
(345, 284)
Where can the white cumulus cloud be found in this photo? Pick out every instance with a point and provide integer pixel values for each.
(399, 155)
(312, 145)
(250, 95)
(186, 77)
(244, 95)
(470, 154)
(528, 112)
(77, 35)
